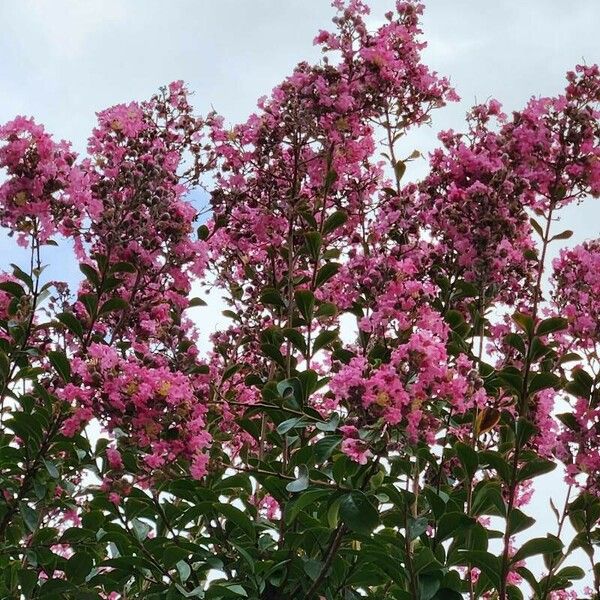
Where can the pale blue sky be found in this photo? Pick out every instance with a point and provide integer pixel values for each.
(62, 60)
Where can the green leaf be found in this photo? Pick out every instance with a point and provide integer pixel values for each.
(77, 534)
(525, 322)
(309, 383)
(531, 579)
(551, 325)
(272, 297)
(24, 277)
(335, 220)
(289, 424)
(537, 227)
(424, 560)
(71, 322)
(453, 524)
(303, 501)
(195, 301)
(514, 380)
(113, 305)
(564, 235)
(436, 500)
(184, 570)
(324, 338)
(429, 584)
(487, 563)
(291, 389)
(468, 458)
(400, 169)
(51, 468)
(519, 521)
(330, 425)
(301, 482)
(537, 546)
(326, 272)
(123, 267)
(582, 383)
(90, 273)
(330, 178)
(313, 241)
(312, 568)
(230, 371)
(296, 338)
(60, 362)
(12, 288)
(90, 302)
(4, 365)
(203, 232)
(140, 529)
(305, 301)
(571, 573)
(514, 593)
(416, 527)
(487, 499)
(27, 580)
(542, 381)
(516, 341)
(538, 349)
(29, 515)
(237, 517)
(446, 594)
(524, 431)
(273, 352)
(78, 567)
(358, 513)
(497, 462)
(324, 447)
(534, 468)
(326, 309)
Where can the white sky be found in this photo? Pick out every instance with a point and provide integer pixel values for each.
(62, 60)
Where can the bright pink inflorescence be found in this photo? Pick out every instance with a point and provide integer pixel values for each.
(45, 192)
(576, 280)
(126, 210)
(306, 163)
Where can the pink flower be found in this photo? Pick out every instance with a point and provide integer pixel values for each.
(114, 459)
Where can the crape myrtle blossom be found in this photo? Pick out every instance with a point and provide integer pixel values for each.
(577, 292)
(45, 192)
(576, 279)
(292, 460)
(305, 160)
(472, 204)
(308, 152)
(126, 211)
(151, 400)
(407, 391)
(553, 142)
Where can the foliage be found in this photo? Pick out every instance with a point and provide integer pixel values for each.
(287, 462)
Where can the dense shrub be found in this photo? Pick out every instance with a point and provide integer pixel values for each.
(286, 462)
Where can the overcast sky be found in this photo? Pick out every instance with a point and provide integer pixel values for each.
(63, 60)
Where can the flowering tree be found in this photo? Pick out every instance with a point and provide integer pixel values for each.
(287, 461)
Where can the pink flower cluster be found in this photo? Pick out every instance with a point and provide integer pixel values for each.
(472, 204)
(576, 281)
(405, 391)
(308, 152)
(576, 296)
(160, 409)
(125, 207)
(554, 143)
(45, 191)
(404, 375)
